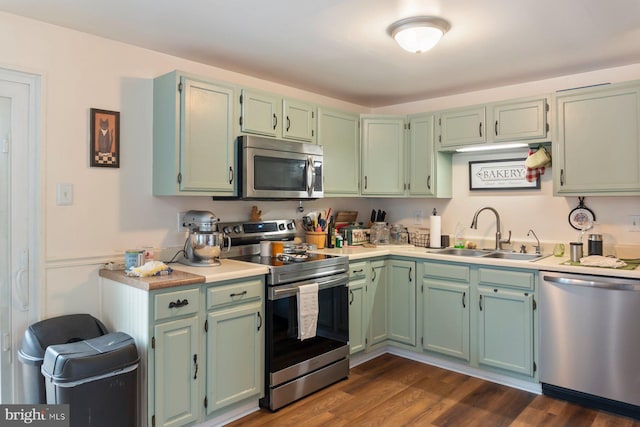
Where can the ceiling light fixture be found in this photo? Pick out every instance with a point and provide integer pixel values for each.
(419, 33)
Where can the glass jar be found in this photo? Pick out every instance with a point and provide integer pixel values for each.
(398, 235)
(379, 233)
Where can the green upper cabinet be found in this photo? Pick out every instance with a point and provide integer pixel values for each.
(339, 135)
(465, 126)
(383, 156)
(597, 150)
(260, 113)
(428, 171)
(271, 115)
(520, 120)
(193, 136)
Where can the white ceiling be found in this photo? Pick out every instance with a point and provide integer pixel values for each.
(340, 48)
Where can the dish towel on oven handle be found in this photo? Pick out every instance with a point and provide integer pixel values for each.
(307, 310)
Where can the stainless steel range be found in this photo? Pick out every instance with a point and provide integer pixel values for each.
(297, 367)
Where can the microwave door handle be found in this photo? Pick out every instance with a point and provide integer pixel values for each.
(311, 176)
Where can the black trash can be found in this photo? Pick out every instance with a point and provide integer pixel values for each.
(39, 336)
(97, 378)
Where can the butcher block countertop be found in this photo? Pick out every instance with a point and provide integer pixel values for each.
(187, 275)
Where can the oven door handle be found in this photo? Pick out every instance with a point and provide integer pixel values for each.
(284, 291)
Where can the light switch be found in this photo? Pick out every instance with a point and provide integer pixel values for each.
(64, 194)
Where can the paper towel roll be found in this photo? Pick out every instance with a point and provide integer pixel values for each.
(435, 231)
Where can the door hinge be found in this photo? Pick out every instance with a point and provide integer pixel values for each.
(546, 105)
(439, 138)
(421, 341)
(547, 127)
(206, 402)
(153, 420)
(179, 177)
(180, 87)
(535, 367)
(206, 325)
(153, 342)
(313, 133)
(439, 121)
(313, 114)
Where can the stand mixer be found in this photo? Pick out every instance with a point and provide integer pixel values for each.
(204, 243)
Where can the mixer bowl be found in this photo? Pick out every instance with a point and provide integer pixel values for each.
(206, 246)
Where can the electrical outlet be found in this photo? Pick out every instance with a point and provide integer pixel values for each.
(417, 218)
(634, 223)
(180, 224)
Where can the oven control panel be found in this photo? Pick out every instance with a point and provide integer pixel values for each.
(279, 229)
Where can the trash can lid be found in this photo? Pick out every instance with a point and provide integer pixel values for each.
(89, 358)
(57, 330)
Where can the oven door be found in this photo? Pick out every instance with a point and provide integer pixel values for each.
(269, 173)
(287, 356)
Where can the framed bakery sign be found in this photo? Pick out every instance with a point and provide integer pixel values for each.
(505, 174)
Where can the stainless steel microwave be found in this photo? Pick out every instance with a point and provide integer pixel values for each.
(277, 169)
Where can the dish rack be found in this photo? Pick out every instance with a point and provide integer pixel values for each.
(420, 238)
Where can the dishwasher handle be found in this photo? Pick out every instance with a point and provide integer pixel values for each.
(596, 282)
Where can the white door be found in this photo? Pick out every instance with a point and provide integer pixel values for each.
(18, 222)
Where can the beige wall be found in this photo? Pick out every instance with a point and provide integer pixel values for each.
(114, 210)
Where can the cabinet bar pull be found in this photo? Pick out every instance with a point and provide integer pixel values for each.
(275, 121)
(410, 271)
(480, 303)
(480, 129)
(178, 303)
(238, 294)
(373, 271)
(358, 271)
(561, 177)
(195, 364)
(351, 300)
(230, 174)
(260, 321)
(429, 182)
(464, 296)
(496, 128)
(365, 182)
(288, 123)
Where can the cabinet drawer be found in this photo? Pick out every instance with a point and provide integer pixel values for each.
(357, 270)
(177, 303)
(233, 294)
(510, 278)
(446, 271)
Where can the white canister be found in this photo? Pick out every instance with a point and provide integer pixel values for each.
(265, 248)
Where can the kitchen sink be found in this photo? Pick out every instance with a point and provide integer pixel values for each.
(463, 252)
(515, 256)
(484, 253)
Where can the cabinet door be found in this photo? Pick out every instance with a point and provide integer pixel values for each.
(235, 355)
(260, 113)
(383, 156)
(206, 135)
(505, 329)
(298, 120)
(520, 120)
(378, 303)
(421, 156)
(446, 318)
(463, 127)
(598, 149)
(178, 367)
(357, 315)
(402, 301)
(339, 135)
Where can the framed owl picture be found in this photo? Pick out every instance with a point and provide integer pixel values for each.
(105, 138)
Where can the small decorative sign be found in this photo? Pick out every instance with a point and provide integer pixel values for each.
(506, 174)
(105, 138)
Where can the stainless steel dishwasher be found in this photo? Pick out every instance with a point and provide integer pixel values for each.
(590, 340)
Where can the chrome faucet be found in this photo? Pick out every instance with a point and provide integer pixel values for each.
(499, 240)
(537, 248)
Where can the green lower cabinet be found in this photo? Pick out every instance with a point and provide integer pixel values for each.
(177, 372)
(402, 301)
(378, 311)
(445, 326)
(357, 318)
(505, 329)
(234, 345)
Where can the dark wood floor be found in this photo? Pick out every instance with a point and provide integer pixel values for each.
(393, 391)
